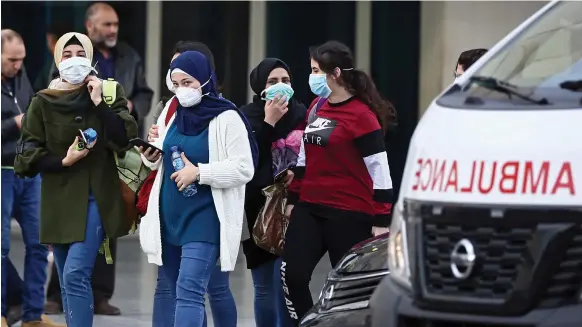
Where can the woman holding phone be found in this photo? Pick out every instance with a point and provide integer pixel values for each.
(220, 297)
(81, 199)
(210, 142)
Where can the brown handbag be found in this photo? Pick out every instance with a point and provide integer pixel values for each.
(132, 215)
(271, 224)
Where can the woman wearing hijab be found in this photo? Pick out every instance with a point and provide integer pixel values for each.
(180, 47)
(219, 295)
(81, 199)
(187, 233)
(278, 121)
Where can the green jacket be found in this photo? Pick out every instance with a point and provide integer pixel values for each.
(48, 129)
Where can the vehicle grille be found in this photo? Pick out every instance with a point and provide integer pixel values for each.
(349, 291)
(526, 258)
(566, 280)
(501, 251)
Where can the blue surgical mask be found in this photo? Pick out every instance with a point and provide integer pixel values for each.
(280, 88)
(318, 85)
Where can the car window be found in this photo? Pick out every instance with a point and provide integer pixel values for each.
(543, 62)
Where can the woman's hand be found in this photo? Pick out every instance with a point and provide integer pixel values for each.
(186, 175)
(379, 230)
(94, 87)
(289, 178)
(151, 156)
(275, 109)
(74, 155)
(153, 133)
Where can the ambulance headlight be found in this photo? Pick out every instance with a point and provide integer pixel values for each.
(398, 262)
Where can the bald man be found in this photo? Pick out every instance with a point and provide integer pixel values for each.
(117, 59)
(20, 194)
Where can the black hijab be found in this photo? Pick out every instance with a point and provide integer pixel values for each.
(255, 111)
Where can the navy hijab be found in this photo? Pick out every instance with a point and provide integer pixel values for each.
(194, 120)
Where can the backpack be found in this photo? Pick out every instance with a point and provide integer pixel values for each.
(132, 172)
(312, 114)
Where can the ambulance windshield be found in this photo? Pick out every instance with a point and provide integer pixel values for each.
(542, 62)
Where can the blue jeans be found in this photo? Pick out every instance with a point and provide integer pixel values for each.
(23, 195)
(75, 266)
(188, 270)
(270, 308)
(221, 300)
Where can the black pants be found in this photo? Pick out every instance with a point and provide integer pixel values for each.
(14, 285)
(102, 281)
(313, 231)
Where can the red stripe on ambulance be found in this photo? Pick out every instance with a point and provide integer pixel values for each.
(507, 177)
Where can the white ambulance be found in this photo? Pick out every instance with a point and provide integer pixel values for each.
(487, 230)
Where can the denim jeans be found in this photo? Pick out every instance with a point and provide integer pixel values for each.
(221, 300)
(75, 266)
(270, 308)
(188, 270)
(23, 196)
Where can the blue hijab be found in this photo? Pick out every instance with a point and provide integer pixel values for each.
(194, 120)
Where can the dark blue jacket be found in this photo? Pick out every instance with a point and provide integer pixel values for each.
(14, 103)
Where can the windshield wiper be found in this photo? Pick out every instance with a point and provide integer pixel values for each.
(494, 84)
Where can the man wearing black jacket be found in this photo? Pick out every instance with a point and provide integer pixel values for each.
(121, 62)
(20, 193)
(118, 60)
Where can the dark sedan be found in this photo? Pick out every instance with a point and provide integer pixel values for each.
(343, 301)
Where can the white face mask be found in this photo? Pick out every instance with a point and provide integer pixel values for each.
(189, 97)
(75, 69)
(169, 83)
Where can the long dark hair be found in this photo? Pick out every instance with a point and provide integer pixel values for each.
(334, 54)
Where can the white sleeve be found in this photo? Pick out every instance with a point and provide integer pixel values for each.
(160, 141)
(237, 168)
(301, 158)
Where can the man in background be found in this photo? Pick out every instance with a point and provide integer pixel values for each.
(118, 60)
(466, 60)
(49, 70)
(20, 193)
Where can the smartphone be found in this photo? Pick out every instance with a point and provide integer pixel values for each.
(82, 144)
(280, 176)
(139, 142)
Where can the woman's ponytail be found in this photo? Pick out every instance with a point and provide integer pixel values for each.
(361, 85)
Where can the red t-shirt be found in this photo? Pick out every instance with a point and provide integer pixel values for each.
(343, 163)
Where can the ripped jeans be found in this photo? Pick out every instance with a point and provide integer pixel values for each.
(75, 266)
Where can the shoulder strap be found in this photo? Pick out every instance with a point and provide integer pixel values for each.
(109, 91)
(171, 109)
(313, 112)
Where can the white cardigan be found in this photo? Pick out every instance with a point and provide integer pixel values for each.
(230, 168)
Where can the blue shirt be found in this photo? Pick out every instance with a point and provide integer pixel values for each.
(106, 66)
(187, 219)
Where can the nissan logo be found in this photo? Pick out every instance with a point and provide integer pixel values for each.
(463, 259)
